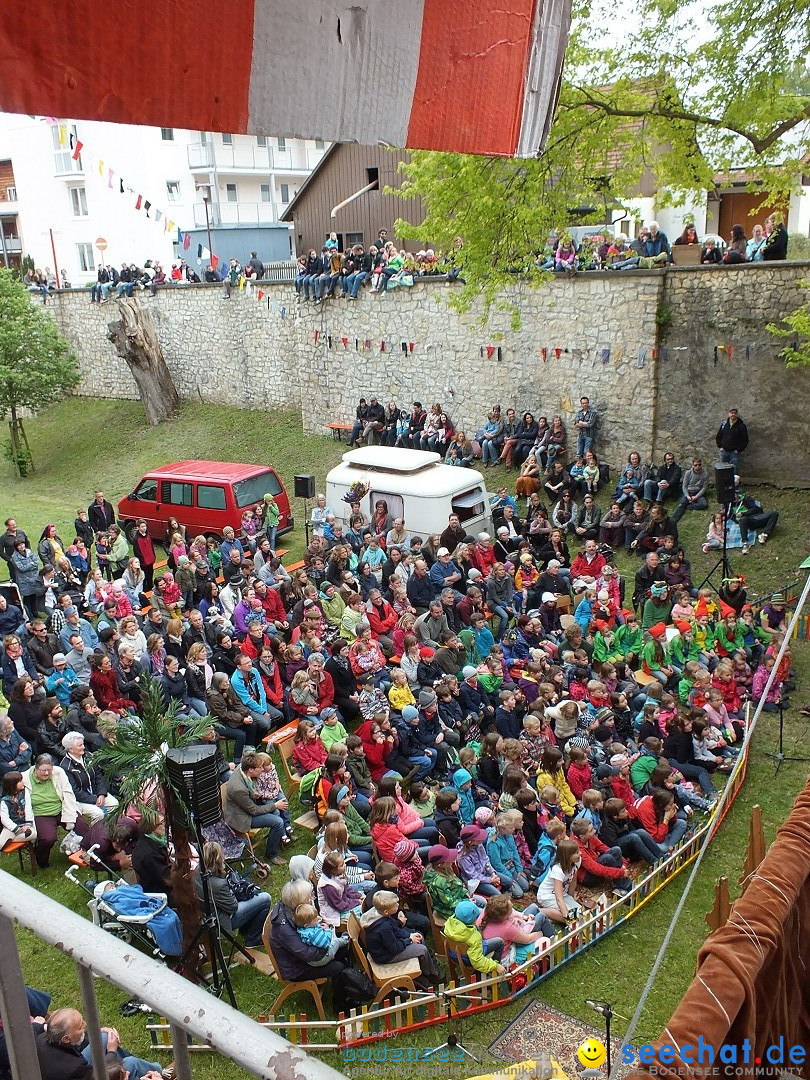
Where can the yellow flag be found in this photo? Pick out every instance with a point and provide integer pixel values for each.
(62, 134)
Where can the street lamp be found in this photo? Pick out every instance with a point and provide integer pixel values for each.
(206, 196)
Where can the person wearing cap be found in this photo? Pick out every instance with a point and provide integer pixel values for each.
(435, 734)
(752, 518)
(655, 655)
(74, 624)
(658, 607)
(61, 680)
(443, 884)
(444, 573)
(461, 930)
(473, 698)
(411, 745)
(474, 866)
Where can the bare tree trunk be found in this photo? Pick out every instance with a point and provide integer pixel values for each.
(136, 341)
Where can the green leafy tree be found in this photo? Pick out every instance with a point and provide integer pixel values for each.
(137, 760)
(796, 329)
(691, 92)
(37, 366)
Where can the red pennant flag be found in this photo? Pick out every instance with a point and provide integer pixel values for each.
(317, 335)
(544, 355)
(214, 262)
(490, 351)
(557, 353)
(186, 242)
(655, 354)
(382, 346)
(729, 350)
(345, 341)
(411, 346)
(260, 294)
(138, 202)
(77, 150)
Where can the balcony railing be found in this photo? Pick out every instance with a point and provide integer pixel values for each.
(251, 158)
(12, 244)
(64, 165)
(238, 213)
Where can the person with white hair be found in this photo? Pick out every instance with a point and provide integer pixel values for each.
(87, 782)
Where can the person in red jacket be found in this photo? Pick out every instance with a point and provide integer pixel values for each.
(599, 862)
(579, 772)
(620, 784)
(376, 746)
(272, 606)
(308, 751)
(589, 564)
(659, 815)
(382, 619)
(483, 554)
(270, 674)
(256, 639)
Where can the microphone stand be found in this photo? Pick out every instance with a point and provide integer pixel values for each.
(605, 1010)
(780, 757)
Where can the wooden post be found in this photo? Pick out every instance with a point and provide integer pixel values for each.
(755, 852)
(721, 909)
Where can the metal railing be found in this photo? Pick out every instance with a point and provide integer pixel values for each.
(247, 156)
(237, 213)
(189, 1009)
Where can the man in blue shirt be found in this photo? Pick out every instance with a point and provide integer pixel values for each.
(248, 688)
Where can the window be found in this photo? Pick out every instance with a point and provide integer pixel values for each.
(78, 200)
(167, 134)
(396, 503)
(468, 504)
(147, 491)
(210, 497)
(11, 194)
(172, 190)
(319, 144)
(204, 138)
(353, 238)
(63, 152)
(172, 491)
(285, 193)
(230, 192)
(282, 144)
(227, 140)
(85, 255)
(261, 140)
(249, 492)
(373, 176)
(265, 193)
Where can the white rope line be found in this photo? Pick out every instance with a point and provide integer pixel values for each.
(716, 998)
(759, 877)
(748, 930)
(645, 993)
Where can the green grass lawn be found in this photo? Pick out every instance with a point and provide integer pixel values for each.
(80, 445)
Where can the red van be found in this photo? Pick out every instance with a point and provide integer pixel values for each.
(205, 496)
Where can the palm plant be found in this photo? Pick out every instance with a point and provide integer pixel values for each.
(137, 759)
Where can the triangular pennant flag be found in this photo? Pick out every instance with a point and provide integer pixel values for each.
(490, 351)
(367, 344)
(260, 294)
(159, 215)
(382, 346)
(62, 134)
(500, 353)
(205, 253)
(121, 185)
(557, 353)
(110, 175)
(605, 356)
(641, 357)
(481, 352)
(186, 242)
(357, 344)
(730, 350)
(146, 206)
(345, 341)
(199, 251)
(214, 262)
(317, 335)
(72, 140)
(654, 354)
(77, 150)
(100, 167)
(544, 355)
(405, 347)
(170, 227)
(411, 346)
(138, 202)
(283, 311)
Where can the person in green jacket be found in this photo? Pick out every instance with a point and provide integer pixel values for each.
(644, 766)
(605, 649)
(659, 606)
(627, 641)
(683, 648)
(332, 731)
(269, 516)
(444, 886)
(331, 604)
(729, 635)
(340, 799)
(481, 955)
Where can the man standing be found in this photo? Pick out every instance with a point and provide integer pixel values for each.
(100, 513)
(585, 423)
(732, 439)
(8, 542)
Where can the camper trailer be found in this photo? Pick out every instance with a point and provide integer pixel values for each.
(415, 484)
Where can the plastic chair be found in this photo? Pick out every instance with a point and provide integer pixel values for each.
(306, 986)
(19, 846)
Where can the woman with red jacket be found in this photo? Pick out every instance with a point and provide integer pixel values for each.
(104, 684)
(268, 669)
(483, 554)
(366, 656)
(661, 818)
(382, 619)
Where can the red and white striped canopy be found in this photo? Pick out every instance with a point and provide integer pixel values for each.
(471, 76)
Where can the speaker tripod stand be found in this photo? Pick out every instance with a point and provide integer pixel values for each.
(722, 564)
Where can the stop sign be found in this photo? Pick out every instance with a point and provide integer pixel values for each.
(101, 243)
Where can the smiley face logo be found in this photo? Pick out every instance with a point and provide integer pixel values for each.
(592, 1053)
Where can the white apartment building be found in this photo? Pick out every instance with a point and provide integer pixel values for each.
(75, 213)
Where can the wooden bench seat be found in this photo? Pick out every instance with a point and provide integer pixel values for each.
(337, 429)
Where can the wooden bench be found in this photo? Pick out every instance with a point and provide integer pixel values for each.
(337, 430)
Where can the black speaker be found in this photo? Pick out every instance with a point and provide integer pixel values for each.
(305, 486)
(724, 483)
(194, 774)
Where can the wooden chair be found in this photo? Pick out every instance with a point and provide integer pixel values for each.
(386, 977)
(642, 678)
(19, 846)
(305, 986)
(437, 925)
(285, 749)
(458, 964)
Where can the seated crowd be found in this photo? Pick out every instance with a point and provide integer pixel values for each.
(486, 728)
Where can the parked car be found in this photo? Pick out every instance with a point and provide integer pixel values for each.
(204, 496)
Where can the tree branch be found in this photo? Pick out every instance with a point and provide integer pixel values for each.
(759, 143)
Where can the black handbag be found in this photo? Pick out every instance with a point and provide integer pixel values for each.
(241, 887)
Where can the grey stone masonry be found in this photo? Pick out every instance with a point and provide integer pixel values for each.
(661, 354)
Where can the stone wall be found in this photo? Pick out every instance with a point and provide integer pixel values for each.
(641, 345)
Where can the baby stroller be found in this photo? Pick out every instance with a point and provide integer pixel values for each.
(129, 913)
(236, 849)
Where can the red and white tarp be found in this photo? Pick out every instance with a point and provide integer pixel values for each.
(470, 76)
